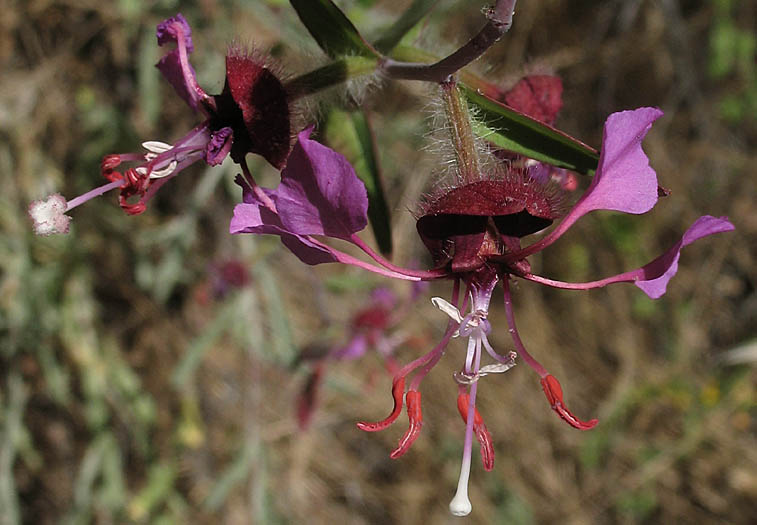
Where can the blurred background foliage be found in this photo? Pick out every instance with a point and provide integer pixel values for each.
(140, 383)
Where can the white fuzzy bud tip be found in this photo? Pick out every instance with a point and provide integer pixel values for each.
(49, 216)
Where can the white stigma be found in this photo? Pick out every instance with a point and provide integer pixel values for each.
(460, 504)
(49, 216)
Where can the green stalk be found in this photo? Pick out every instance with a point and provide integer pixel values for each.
(332, 74)
(461, 131)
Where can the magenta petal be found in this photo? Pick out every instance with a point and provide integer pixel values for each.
(171, 29)
(319, 192)
(170, 67)
(185, 85)
(254, 218)
(307, 251)
(655, 275)
(219, 146)
(624, 180)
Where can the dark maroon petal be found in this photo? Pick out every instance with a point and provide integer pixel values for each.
(538, 96)
(255, 104)
(319, 192)
(442, 233)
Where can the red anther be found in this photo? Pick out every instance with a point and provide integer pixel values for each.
(413, 400)
(482, 433)
(398, 389)
(109, 163)
(135, 184)
(132, 209)
(553, 391)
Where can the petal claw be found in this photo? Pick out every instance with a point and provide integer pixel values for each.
(398, 389)
(553, 391)
(414, 414)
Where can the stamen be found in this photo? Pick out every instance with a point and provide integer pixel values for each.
(414, 414)
(155, 146)
(497, 368)
(553, 391)
(482, 433)
(398, 389)
(158, 174)
(448, 309)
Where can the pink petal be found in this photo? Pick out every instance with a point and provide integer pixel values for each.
(320, 193)
(175, 65)
(255, 218)
(651, 278)
(655, 275)
(624, 180)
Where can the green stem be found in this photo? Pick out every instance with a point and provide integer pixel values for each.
(332, 74)
(461, 132)
(413, 54)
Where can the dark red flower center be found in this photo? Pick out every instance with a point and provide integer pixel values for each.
(255, 105)
(466, 226)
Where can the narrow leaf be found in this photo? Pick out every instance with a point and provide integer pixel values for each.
(333, 31)
(414, 14)
(514, 131)
(350, 133)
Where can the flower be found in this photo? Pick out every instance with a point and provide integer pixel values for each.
(474, 234)
(370, 328)
(250, 115)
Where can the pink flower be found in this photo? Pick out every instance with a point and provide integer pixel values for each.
(250, 115)
(474, 234)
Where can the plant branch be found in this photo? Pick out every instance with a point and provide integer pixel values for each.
(499, 20)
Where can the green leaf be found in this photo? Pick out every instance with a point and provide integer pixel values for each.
(514, 131)
(333, 31)
(350, 134)
(412, 15)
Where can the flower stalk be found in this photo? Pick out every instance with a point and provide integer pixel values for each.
(461, 131)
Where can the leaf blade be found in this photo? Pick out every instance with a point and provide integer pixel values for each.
(331, 28)
(412, 15)
(514, 131)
